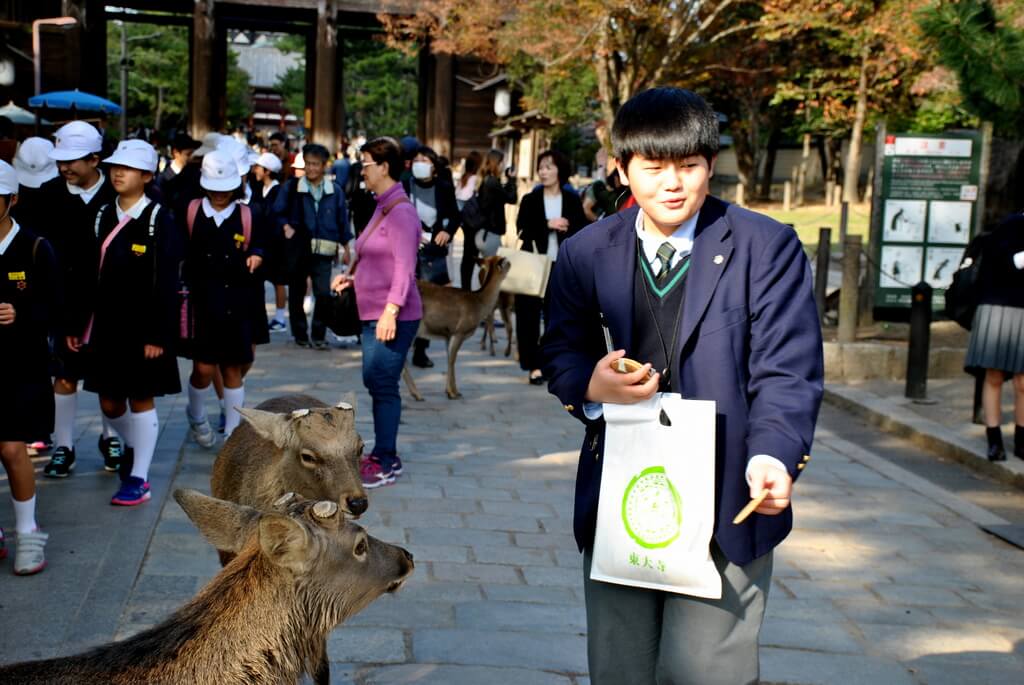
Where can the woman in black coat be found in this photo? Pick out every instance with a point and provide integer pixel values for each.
(547, 216)
(493, 196)
(995, 349)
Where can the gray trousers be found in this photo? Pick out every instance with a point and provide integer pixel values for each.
(637, 636)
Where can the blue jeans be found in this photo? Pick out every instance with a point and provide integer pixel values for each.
(382, 368)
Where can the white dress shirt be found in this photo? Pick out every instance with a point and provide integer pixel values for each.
(135, 211)
(6, 243)
(87, 194)
(218, 217)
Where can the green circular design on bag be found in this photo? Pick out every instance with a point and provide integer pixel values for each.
(652, 510)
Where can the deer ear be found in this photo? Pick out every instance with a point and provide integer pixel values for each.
(285, 542)
(268, 425)
(225, 525)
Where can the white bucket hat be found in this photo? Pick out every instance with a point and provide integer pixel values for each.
(137, 154)
(210, 142)
(33, 162)
(75, 140)
(238, 151)
(270, 162)
(299, 162)
(8, 179)
(219, 172)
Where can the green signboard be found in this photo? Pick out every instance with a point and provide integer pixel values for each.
(929, 212)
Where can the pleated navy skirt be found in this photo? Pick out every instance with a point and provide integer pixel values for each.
(997, 340)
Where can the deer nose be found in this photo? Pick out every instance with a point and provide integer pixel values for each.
(357, 505)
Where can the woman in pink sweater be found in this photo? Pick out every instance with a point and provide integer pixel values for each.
(388, 300)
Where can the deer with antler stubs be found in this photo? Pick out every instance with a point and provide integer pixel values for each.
(453, 315)
(299, 571)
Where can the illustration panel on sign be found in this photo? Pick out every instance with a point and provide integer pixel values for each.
(949, 222)
(904, 221)
(901, 265)
(939, 265)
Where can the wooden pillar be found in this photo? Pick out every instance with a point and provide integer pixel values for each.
(325, 90)
(426, 77)
(89, 36)
(201, 110)
(441, 105)
(219, 80)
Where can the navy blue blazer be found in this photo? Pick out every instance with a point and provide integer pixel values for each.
(750, 340)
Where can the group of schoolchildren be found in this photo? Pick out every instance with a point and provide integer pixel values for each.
(112, 268)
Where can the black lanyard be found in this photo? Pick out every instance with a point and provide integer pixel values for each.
(666, 373)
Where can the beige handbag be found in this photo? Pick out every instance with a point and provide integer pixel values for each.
(529, 273)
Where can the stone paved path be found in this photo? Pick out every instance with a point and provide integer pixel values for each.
(886, 579)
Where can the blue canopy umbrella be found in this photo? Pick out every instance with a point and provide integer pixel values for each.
(19, 116)
(74, 99)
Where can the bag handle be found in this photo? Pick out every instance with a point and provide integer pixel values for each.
(103, 253)
(373, 227)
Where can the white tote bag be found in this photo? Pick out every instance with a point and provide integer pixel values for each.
(656, 513)
(528, 274)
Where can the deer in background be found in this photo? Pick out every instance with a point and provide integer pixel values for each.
(506, 303)
(453, 315)
(300, 571)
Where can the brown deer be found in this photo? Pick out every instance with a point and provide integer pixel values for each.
(300, 571)
(454, 315)
(294, 443)
(506, 303)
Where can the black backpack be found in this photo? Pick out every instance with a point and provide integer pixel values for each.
(963, 293)
(473, 216)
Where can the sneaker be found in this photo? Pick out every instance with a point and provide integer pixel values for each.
(201, 432)
(391, 466)
(3, 545)
(40, 446)
(112, 450)
(28, 553)
(321, 345)
(373, 475)
(133, 491)
(277, 326)
(62, 463)
(222, 422)
(303, 343)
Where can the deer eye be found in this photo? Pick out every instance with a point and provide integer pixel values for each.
(360, 549)
(308, 458)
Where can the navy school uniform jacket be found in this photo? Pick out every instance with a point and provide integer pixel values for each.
(69, 225)
(136, 302)
(29, 281)
(215, 268)
(750, 339)
(326, 221)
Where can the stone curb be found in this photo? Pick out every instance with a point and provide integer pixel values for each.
(891, 416)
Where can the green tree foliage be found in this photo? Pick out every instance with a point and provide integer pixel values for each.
(158, 77)
(380, 87)
(987, 54)
(292, 83)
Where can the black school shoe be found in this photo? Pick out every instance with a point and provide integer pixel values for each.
(62, 463)
(421, 360)
(303, 343)
(321, 345)
(112, 450)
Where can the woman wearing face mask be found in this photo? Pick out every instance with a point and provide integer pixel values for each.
(434, 200)
(547, 216)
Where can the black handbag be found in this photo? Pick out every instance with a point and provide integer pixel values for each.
(343, 314)
(473, 216)
(963, 293)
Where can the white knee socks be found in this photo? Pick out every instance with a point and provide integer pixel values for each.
(108, 429)
(145, 430)
(196, 402)
(25, 515)
(122, 425)
(65, 408)
(233, 398)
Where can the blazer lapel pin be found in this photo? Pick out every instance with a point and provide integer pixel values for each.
(718, 259)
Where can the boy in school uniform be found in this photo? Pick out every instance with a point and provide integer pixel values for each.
(266, 172)
(717, 301)
(28, 303)
(133, 314)
(73, 200)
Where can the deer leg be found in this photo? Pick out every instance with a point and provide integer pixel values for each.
(488, 332)
(410, 384)
(454, 343)
(491, 332)
(322, 675)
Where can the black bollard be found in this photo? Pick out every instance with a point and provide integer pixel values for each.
(821, 270)
(920, 338)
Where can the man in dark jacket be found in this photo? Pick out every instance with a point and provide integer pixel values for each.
(312, 213)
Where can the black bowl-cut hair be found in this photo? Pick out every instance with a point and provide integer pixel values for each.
(315, 150)
(665, 124)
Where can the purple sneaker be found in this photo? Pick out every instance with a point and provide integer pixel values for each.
(390, 465)
(373, 475)
(133, 491)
